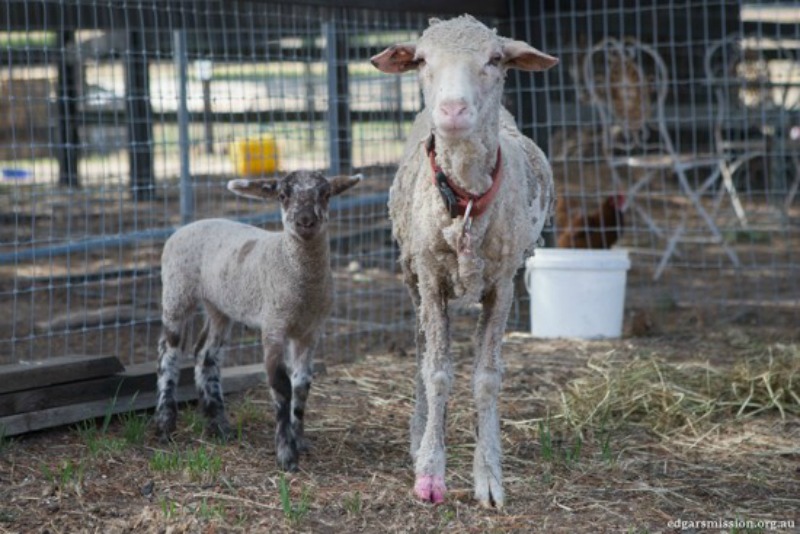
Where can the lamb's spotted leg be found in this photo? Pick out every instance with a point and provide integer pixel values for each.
(281, 388)
(486, 379)
(437, 374)
(169, 353)
(207, 377)
(302, 374)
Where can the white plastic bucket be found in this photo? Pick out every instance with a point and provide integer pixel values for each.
(577, 293)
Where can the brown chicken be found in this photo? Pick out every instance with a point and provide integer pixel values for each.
(597, 230)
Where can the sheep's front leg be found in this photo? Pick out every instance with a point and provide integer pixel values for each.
(207, 377)
(486, 379)
(281, 388)
(302, 353)
(437, 374)
(420, 416)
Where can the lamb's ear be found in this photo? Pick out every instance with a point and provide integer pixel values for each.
(340, 184)
(396, 59)
(521, 55)
(262, 188)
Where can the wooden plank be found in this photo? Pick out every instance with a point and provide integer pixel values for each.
(61, 370)
(140, 377)
(233, 379)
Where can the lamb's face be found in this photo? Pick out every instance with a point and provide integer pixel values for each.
(304, 198)
(462, 66)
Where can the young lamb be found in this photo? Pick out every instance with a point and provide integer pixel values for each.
(279, 282)
(467, 205)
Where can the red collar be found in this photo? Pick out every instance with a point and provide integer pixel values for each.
(457, 199)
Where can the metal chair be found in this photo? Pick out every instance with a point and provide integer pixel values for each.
(627, 83)
(754, 102)
(794, 137)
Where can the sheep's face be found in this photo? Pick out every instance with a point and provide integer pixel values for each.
(303, 195)
(462, 66)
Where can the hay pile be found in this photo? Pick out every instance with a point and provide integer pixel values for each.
(671, 399)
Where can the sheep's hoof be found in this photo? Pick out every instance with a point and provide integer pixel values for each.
(489, 494)
(430, 488)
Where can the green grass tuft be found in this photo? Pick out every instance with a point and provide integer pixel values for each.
(352, 503)
(292, 513)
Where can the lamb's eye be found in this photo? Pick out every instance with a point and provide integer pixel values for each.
(284, 194)
(495, 60)
(420, 61)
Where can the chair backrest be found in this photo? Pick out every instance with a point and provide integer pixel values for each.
(755, 81)
(627, 83)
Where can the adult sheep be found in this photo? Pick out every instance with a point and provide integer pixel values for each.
(467, 205)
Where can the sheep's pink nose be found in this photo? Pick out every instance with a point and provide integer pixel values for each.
(453, 108)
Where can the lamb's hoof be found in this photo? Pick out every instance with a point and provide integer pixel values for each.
(220, 430)
(164, 438)
(430, 488)
(303, 445)
(288, 464)
(164, 430)
(287, 457)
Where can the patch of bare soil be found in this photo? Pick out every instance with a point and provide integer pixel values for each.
(618, 476)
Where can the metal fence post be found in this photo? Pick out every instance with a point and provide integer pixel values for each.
(338, 105)
(139, 116)
(68, 80)
(186, 192)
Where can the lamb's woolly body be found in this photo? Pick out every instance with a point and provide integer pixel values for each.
(253, 276)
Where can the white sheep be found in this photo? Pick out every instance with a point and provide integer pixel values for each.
(464, 146)
(278, 282)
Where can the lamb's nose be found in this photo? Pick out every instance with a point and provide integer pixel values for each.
(453, 108)
(306, 220)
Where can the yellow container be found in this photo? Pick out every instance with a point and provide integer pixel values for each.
(254, 156)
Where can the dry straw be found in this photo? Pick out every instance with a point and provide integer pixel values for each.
(672, 399)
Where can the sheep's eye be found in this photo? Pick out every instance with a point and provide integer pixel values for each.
(420, 61)
(495, 60)
(284, 194)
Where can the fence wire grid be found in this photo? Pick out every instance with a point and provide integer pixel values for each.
(121, 121)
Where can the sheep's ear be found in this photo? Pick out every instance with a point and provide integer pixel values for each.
(521, 55)
(396, 59)
(262, 188)
(340, 184)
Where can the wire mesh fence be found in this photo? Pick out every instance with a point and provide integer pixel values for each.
(121, 121)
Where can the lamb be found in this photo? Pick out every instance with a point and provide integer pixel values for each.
(278, 282)
(467, 204)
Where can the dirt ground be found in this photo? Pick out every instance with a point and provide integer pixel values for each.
(622, 476)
